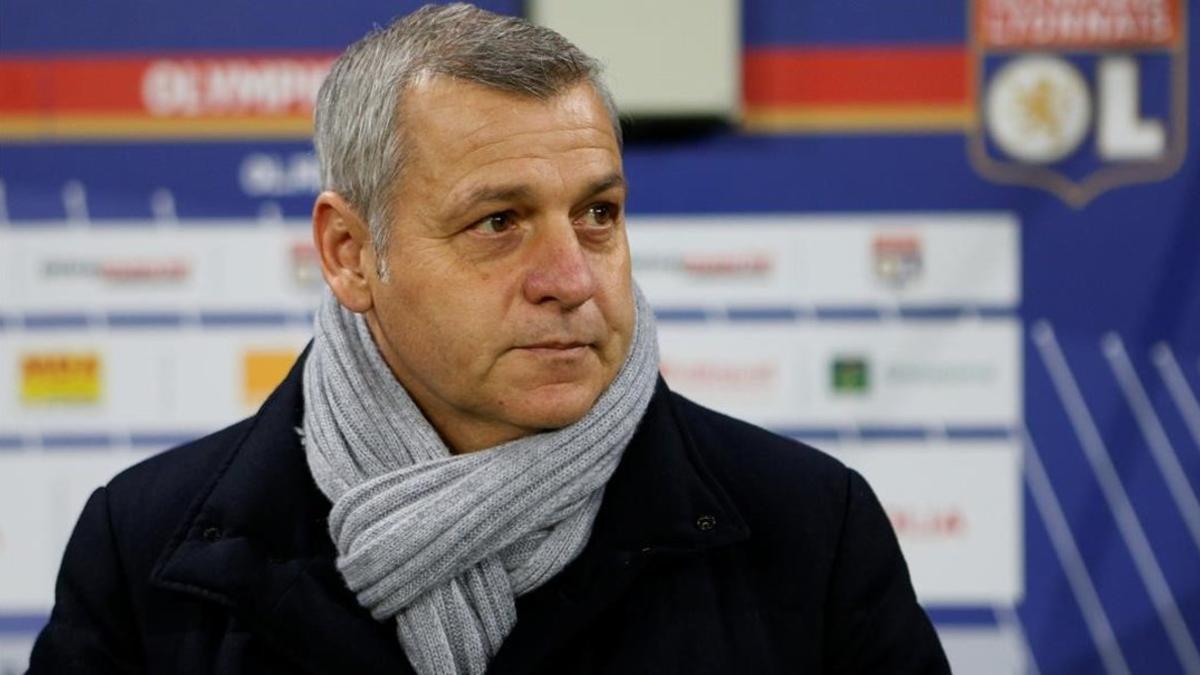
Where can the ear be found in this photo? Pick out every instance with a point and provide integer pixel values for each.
(343, 242)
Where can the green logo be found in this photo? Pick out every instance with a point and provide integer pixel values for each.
(850, 375)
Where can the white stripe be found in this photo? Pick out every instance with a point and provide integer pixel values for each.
(162, 205)
(1007, 616)
(74, 197)
(1185, 400)
(1114, 494)
(1068, 554)
(1156, 437)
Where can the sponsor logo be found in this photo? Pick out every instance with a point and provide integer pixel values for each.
(949, 374)
(69, 378)
(850, 375)
(932, 522)
(725, 376)
(118, 272)
(898, 260)
(306, 265)
(1062, 97)
(717, 265)
(262, 371)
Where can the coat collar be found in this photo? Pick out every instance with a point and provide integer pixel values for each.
(256, 540)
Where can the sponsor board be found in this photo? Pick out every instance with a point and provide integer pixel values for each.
(144, 267)
(190, 380)
(818, 261)
(1061, 94)
(956, 509)
(927, 374)
(794, 261)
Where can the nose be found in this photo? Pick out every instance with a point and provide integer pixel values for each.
(559, 269)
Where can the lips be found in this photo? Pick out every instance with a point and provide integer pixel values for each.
(555, 344)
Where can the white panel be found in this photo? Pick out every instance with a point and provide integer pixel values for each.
(804, 261)
(226, 265)
(14, 653)
(187, 379)
(984, 651)
(956, 508)
(41, 496)
(924, 373)
(667, 57)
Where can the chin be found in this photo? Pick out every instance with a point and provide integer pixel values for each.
(562, 405)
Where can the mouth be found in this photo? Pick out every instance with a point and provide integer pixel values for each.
(556, 348)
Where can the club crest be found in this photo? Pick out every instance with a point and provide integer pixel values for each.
(1078, 97)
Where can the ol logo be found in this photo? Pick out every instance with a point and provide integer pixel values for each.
(1079, 96)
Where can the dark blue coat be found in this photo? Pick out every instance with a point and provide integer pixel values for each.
(719, 548)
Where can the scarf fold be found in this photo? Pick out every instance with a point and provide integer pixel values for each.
(446, 543)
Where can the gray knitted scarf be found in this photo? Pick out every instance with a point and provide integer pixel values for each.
(445, 543)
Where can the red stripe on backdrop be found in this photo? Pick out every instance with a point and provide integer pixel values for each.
(855, 76)
(192, 84)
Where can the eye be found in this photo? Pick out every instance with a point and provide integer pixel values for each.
(599, 215)
(496, 223)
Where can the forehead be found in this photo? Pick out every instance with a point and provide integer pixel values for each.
(457, 130)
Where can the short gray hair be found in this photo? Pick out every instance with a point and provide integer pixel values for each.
(358, 126)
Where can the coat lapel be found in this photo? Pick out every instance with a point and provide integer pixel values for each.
(256, 541)
(661, 502)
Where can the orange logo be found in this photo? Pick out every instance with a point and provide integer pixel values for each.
(262, 371)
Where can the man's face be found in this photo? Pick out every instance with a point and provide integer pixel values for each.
(508, 308)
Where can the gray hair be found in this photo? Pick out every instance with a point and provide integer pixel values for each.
(359, 129)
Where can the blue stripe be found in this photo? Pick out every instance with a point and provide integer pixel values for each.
(11, 442)
(979, 433)
(764, 314)
(144, 319)
(849, 313)
(955, 311)
(76, 441)
(813, 434)
(680, 314)
(55, 321)
(22, 623)
(218, 319)
(874, 433)
(231, 319)
(962, 616)
(161, 440)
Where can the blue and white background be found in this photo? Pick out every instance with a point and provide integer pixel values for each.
(1015, 369)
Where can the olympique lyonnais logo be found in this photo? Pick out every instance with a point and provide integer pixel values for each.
(60, 378)
(1079, 96)
(306, 266)
(897, 259)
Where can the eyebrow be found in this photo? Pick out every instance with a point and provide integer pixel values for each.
(509, 193)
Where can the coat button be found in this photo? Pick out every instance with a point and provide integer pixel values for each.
(706, 522)
(212, 534)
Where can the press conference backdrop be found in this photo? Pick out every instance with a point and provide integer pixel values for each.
(956, 244)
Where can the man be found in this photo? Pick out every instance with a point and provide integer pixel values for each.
(475, 465)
